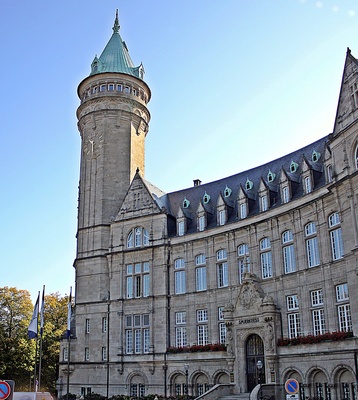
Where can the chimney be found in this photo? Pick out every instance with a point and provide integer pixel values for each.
(197, 182)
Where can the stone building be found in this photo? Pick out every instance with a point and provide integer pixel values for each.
(251, 279)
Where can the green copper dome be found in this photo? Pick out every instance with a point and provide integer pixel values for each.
(115, 57)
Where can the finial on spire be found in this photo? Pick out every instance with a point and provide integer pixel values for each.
(116, 23)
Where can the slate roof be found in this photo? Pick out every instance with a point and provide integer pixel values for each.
(115, 57)
(172, 201)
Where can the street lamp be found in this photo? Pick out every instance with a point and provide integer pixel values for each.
(186, 369)
(259, 366)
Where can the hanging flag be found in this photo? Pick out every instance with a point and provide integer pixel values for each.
(42, 312)
(69, 313)
(32, 329)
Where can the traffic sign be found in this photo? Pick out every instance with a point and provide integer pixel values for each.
(291, 386)
(5, 390)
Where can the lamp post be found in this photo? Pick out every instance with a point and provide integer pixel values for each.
(259, 366)
(186, 369)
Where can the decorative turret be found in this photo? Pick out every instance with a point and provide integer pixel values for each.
(115, 57)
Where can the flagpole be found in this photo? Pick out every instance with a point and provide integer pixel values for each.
(35, 369)
(68, 333)
(41, 332)
(32, 334)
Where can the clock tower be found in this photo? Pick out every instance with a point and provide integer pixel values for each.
(113, 123)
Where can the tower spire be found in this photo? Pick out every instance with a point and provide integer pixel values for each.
(116, 25)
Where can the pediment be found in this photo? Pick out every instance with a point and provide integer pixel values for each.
(138, 201)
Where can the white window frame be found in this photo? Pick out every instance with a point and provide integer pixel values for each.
(179, 276)
(200, 278)
(308, 184)
(285, 194)
(342, 293)
(222, 217)
(294, 325)
(266, 258)
(345, 318)
(336, 236)
(316, 298)
(181, 228)
(312, 248)
(201, 223)
(318, 321)
(292, 302)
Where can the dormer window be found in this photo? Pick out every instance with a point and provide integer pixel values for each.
(264, 203)
(271, 176)
(201, 223)
(293, 167)
(186, 203)
(227, 191)
(181, 227)
(308, 184)
(249, 184)
(285, 194)
(206, 198)
(315, 156)
(222, 217)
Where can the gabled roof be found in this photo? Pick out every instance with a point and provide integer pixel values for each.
(115, 57)
(346, 113)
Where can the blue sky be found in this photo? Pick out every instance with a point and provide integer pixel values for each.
(235, 84)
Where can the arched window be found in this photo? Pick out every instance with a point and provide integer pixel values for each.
(137, 237)
(356, 157)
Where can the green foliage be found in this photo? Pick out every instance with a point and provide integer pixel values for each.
(17, 352)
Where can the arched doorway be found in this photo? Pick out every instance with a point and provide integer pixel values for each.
(254, 353)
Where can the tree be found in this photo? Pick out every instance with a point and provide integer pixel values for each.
(17, 352)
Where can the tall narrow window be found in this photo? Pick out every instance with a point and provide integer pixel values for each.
(201, 223)
(180, 329)
(243, 210)
(243, 260)
(293, 317)
(343, 308)
(87, 327)
(200, 272)
(266, 258)
(104, 324)
(318, 317)
(222, 217)
(336, 236)
(264, 203)
(181, 228)
(87, 354)
(289, 261)
(222, 326)
(222, 268)
(202, 327)
(308, 184)
(179, 276)
(285, 194)
(312, 245)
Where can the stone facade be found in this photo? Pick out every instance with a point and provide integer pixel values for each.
(186, 290)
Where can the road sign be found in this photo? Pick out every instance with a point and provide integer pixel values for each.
(291, 386)
(5, 390)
